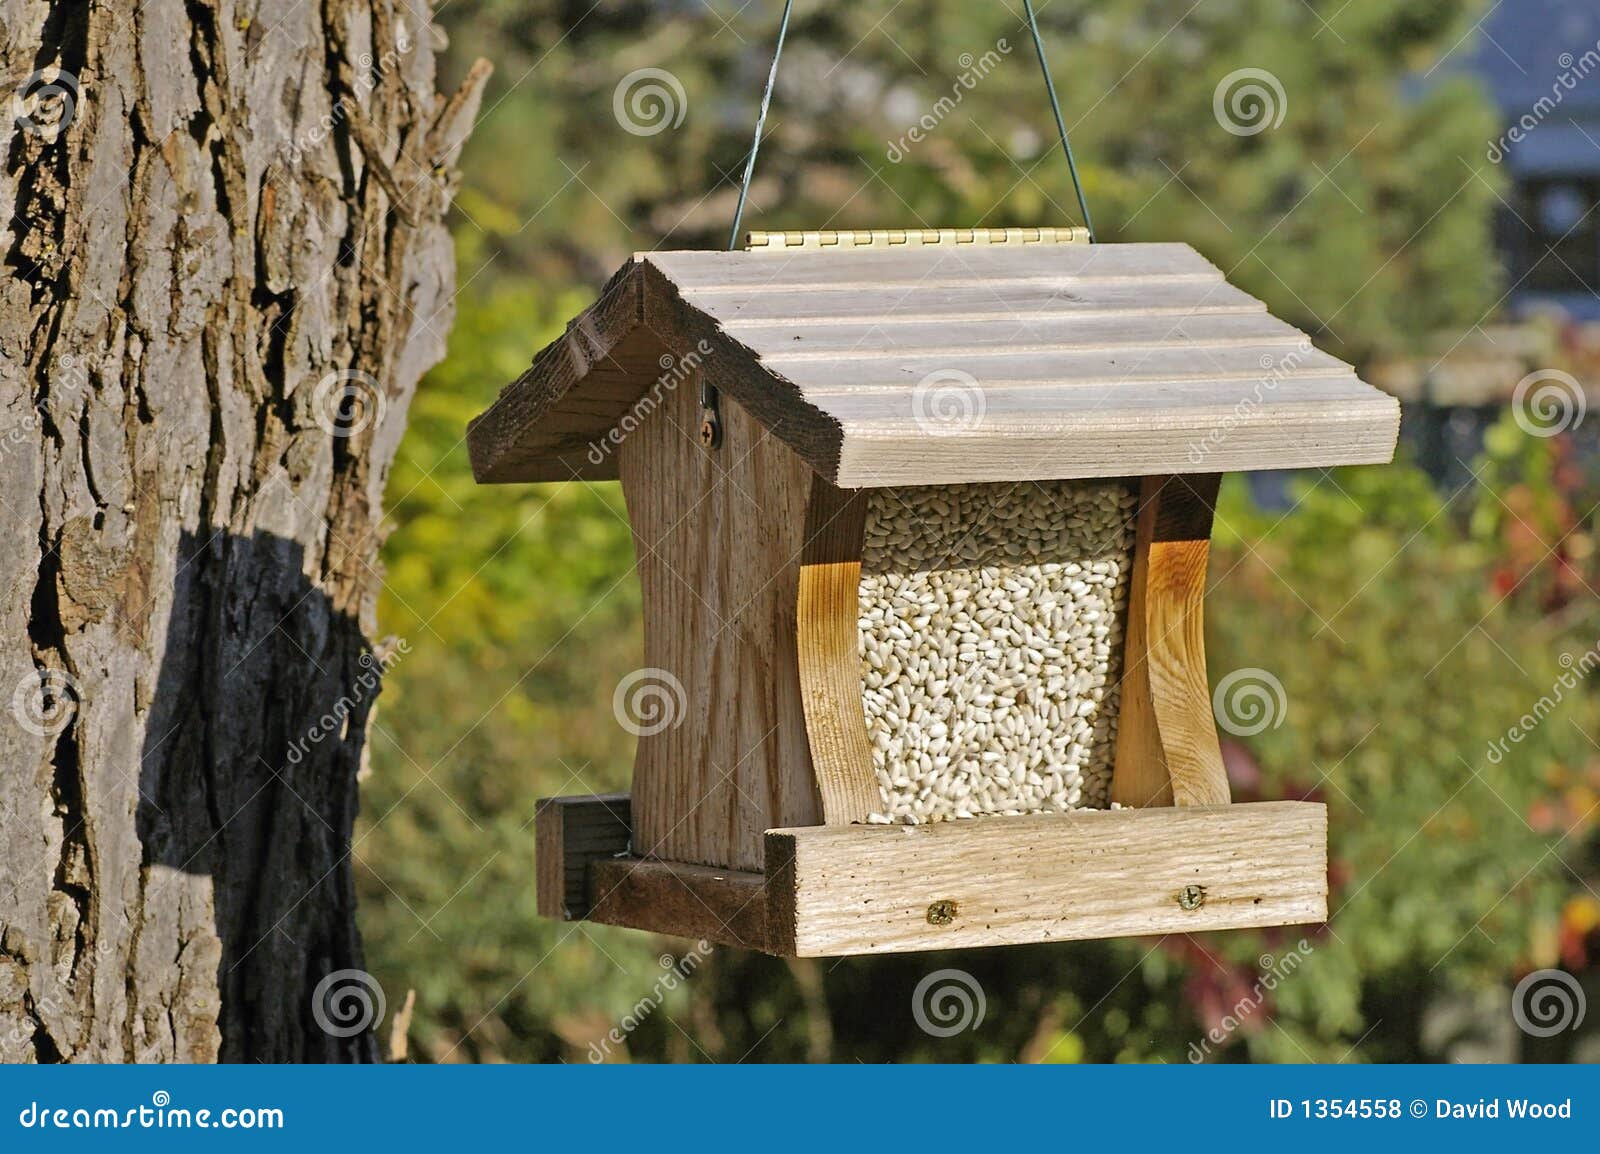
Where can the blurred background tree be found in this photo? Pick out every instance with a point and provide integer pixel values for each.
(1409, 629)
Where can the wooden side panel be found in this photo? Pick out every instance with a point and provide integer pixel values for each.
(1046, 877)
(570, 834)
(830, 660)
(688, 901)
(719, 537)
(1167, 748)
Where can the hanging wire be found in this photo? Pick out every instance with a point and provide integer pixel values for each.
(1061, 125)
(761, 121)
(710, 400)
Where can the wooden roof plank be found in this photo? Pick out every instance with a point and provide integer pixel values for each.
(1081, 361)
(700, 271)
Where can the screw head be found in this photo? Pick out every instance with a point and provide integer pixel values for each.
(710, 432)
(1191, 897)
(942, 912)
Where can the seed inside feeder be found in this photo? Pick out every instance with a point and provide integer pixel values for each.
(991, 644)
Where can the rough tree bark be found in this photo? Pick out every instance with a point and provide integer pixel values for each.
(225, 269)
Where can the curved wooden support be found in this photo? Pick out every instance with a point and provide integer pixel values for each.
(830, 661)
(1167, 748)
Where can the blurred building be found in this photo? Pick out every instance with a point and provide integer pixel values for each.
(1540, 63)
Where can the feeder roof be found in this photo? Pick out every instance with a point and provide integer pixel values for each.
(912, 365)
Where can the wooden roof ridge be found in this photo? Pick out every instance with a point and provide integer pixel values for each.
(930, 364)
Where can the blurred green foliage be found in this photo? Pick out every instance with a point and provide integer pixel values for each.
(1409, 631)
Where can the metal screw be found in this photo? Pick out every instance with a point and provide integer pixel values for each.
(710, 430)
(1191, 897)
(942, 912)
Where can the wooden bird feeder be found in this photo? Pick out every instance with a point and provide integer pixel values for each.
(922, 522)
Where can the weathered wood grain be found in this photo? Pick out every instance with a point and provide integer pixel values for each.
(1167, 748)
(830, 657)
(854, 889)
(571, 833)
(1074, 361)
(1045, 877)
(728, 907)
(720, 536)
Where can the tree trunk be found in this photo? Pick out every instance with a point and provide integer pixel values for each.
(226, 268)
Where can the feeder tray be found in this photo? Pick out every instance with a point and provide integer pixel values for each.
(750, 402)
